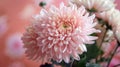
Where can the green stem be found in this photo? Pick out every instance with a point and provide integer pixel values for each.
(103, 39)
(100, 44)
(112, 55)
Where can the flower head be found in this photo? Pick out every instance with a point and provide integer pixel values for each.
(113, 20)
(59, 33)
(14, 46)
(97, 5)
(112, 17)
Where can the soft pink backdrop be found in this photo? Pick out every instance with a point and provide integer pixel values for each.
(16, 15)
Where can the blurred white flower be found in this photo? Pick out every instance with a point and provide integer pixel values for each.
(114, 18)
(105, 15)
(97, 5)
(14, 46)
(114, 21)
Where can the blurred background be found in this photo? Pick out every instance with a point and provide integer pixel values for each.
(15, 15)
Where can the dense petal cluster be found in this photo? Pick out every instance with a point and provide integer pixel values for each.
(59, 33)
(98, 5)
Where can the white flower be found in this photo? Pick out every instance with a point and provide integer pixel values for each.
(105, 15)
(98, 5)
(114, 19)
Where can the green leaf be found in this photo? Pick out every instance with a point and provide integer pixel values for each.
(82, 62)
(92, 52)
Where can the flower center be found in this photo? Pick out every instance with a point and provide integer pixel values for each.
(65, 26)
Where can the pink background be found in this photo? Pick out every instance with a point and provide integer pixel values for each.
(16, 15)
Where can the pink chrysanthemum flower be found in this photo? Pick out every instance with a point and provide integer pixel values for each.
(59, 33)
